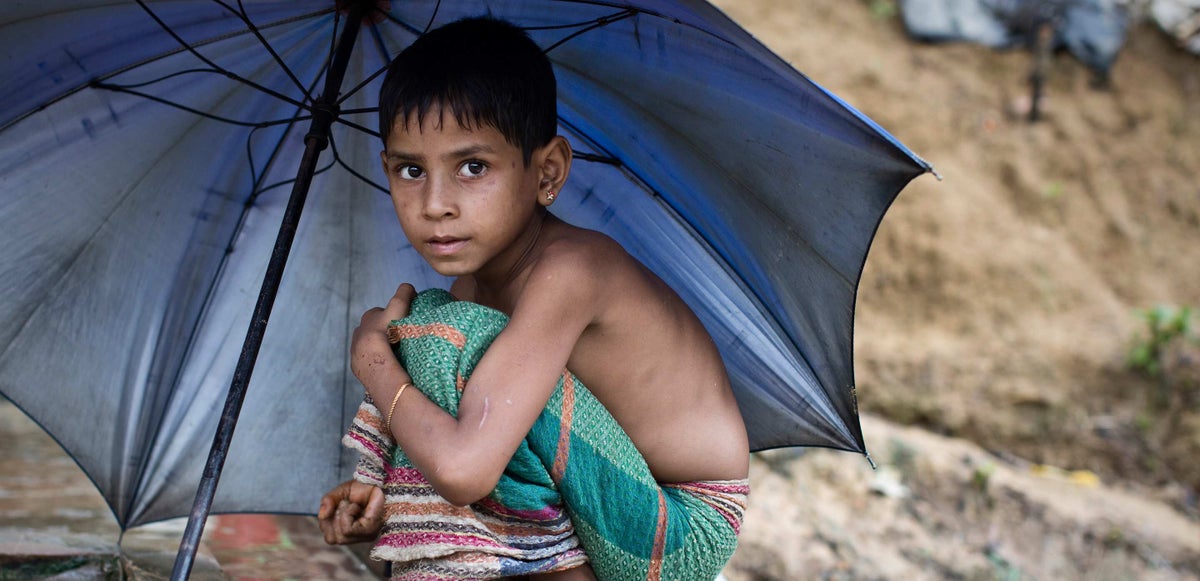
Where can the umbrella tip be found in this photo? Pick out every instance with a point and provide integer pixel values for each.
(870, 461)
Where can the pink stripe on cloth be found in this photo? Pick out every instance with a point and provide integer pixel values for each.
(549, 513)
(405, 476)
(727, 497)
(433, 538)
(369, 444)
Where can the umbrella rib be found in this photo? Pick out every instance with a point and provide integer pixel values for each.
(250, 156)
(165, 77)
(432, 17)
(291, 180)
(262, 40)
(598, 23)
(385, 56)
(362, 84)
(206, 115)
(129, 67)
(255, 178)
(338, 159)
(384, 53)
(230, 74)
(406, 26)
(354, 125)
(651, 13)
(597, 158)
(619, 13)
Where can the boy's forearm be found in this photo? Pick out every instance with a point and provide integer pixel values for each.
(430, 437)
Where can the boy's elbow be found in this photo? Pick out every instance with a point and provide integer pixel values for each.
(462, 485)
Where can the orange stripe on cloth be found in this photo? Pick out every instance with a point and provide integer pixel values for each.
(369, 419)
(564, 431)
(660, 541)
(455, 337)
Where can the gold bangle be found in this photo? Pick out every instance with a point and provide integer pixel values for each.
(395, 399)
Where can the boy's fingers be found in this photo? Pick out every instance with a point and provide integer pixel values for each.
(397, 307)
(330, 501)
(374, 509)
(343, 524)
(326, 525)
(370, 518)
(360, 493)
(369, 316)
(350, 510)
(406, 291)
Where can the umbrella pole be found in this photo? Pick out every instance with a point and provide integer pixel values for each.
(325, 111)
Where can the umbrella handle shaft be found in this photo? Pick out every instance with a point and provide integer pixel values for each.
(317, 139)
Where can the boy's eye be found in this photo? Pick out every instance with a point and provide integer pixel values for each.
(472, 169)
(409, 172)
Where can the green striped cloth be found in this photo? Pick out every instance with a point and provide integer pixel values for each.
(576, 457)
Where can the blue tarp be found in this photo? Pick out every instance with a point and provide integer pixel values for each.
(1092, 30)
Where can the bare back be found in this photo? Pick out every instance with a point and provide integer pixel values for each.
(646, 357)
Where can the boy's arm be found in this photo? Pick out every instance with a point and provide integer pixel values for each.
(464, 457)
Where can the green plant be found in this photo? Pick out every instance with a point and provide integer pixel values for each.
(1053, 190)
(982, 476)
(1163, 351)
(883, 9)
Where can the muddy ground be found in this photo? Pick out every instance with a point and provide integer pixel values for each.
(995, 317)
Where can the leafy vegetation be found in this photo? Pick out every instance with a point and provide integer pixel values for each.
(1167, 353)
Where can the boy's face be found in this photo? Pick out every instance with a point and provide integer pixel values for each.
(465, 198)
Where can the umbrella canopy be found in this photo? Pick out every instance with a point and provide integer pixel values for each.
(143, 150)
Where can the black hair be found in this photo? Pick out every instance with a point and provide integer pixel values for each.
(485, 71)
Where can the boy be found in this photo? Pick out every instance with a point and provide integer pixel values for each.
(468, 118)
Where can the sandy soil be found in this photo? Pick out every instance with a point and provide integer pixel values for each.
(999, 306)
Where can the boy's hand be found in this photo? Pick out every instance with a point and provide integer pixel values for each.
(351, 513)
(371, 357)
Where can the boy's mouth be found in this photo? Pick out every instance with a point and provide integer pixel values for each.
(445, 245)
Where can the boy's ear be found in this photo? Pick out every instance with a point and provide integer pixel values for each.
(554, 163)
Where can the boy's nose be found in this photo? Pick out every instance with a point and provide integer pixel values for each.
(439, 202)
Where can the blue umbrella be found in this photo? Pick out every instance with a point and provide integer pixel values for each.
(147, 151)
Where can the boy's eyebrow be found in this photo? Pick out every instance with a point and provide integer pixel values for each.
(403, 155)
(456, 154)
(470, 150)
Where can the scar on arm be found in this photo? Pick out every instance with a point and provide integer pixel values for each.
(486, 405)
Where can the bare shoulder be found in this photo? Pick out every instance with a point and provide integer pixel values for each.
(585, 256)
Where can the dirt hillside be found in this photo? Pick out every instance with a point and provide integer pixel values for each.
(1000, 304)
